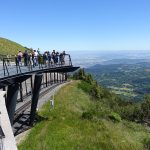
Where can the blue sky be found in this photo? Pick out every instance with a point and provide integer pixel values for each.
(77, 24)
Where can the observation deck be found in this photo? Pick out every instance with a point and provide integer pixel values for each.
(10, 69)
(24, 81)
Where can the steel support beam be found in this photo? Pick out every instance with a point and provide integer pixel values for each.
(66, 76)
(46, 79)
(26, 88)
(21, 94)
(50, 78)
(57, 77)
(31, 80)
(35, 97)
(12, 94)
(63, 77)
(54, 78)
(43, 81)
(4, 88)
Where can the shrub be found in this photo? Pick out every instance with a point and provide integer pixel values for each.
(115, 117)
(95, 91)
(79, 75)
(145, 107)
(87, 115)
(86, 87)
(146, 143)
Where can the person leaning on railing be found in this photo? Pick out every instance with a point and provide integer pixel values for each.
(62, 58)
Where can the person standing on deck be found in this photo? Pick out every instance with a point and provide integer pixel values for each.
(49, 58)
(53, 56)
(19, 57)
(35, 58)
(25, 55)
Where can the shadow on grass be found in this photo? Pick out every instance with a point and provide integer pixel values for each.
(22, 123)
(39, 118)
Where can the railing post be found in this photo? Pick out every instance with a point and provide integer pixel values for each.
(4, 66)
(35, 97)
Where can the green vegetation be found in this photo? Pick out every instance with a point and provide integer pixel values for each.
(9, 47)
(86, 117)
(130, 81)
(127, 110)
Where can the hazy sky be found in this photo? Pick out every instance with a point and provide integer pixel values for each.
(77, 24)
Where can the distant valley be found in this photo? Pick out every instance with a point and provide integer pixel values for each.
(129, 78)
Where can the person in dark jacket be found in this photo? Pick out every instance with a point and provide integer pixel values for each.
(25, 55)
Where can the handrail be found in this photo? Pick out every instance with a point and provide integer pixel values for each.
(33, 63)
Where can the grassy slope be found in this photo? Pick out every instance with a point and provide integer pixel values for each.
(9, 47)
(63, 128)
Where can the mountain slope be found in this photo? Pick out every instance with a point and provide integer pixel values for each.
(65, 128)
(9, 47)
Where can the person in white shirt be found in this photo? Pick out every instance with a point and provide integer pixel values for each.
(35, 58)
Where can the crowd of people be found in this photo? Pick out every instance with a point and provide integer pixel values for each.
(35, 58)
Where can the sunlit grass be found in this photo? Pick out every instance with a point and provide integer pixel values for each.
(63, 128)
(8, 47)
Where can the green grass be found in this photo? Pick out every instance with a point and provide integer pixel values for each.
(9, 47)
(63, 128)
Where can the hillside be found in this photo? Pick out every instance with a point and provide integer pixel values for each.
(80, 121)
(9, 47)
(130, 79)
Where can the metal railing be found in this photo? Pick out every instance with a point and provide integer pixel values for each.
(13, 65)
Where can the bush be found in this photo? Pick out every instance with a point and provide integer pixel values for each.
(86, 87)
(127, 112)
(145, 107)
(126, 109)
(146, 143)
(115, 117)
(79, 75)
(87, 115)
(95, 91)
